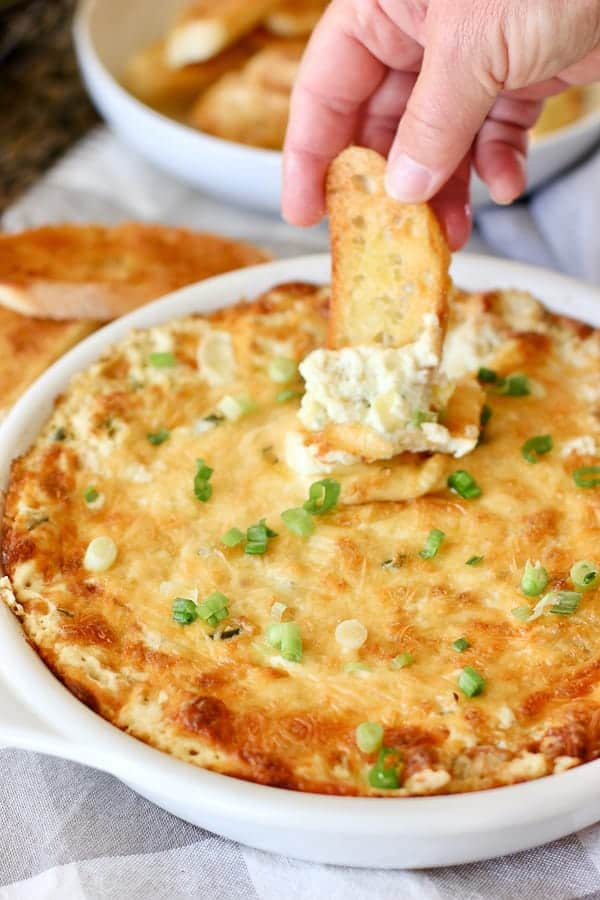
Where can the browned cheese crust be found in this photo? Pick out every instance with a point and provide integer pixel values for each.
(233, 705)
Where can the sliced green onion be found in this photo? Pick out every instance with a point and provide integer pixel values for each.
(536, 446)
(534, 580)
(522, 613)
(351, 634)
(162, 360)
(369, 736)
(90, 495)
(159, 437)
(234, 408)
(461, 482)
(402, 660)
(322, 496)
(585, 575)
(470, 682)
(419, 416)
(487, 376)
(298, 521)
(282, 369)
(277, 610)
(202, 488)
(356, 667)
(460, 645)
(474, 560)
(285, 636)
(60, 434)
(184, 611)
(233, 537)
(516, 385)
(214, 608)
(486, 415)
(565, 603)
(432, 544)
(287, 395)
(100, 554)
(587, 476)
(386, 776)
(257, 538)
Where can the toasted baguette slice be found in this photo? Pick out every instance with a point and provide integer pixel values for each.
(252, 106)
(99, 273)
(390, 260)
(152, 81)
(28, 347)
(206, 27)
(295, 18)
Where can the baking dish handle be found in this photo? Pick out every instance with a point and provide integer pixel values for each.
(20, 728)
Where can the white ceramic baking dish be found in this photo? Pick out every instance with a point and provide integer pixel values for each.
(108, 32)
(38, 713)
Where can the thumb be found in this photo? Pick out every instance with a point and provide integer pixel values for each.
(446, 109)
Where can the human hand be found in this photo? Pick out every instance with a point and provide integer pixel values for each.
(439, 86)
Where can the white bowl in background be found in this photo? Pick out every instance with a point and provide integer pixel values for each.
(38, 713)
(108, 32)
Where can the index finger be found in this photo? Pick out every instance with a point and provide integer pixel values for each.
(338, 74)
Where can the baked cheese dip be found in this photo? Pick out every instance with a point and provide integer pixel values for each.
(206, 572)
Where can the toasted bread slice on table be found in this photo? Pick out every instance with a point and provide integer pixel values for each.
(28, 346)
(98, 273)
(252, 106)
(295, 18)
(378, 391)
(206, 27)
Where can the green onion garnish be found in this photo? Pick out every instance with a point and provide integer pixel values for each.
(487, 376)
(369, 736)
(402, 660)
(162, 360)
(214, 608)
(233, 537)
(585, 575)
(534, 580)
(383, 775)
(565, 602)
(287, 395)
(159, 437)
(587, 476)
(521, 612)
(474, 560)
(432, 544)
(460, 645)
(356, 667)
(486, 415)
(298, 521)
(282, 369)
(536, 446)
(470, 682)
(184, 611)
(322, 496)
(285, 637)
(90, 495)
(422, 415)
(461, 482)
(60, 434)
(257, 538)
(516, 385)
(202, 488)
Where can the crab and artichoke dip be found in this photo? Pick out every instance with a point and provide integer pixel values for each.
(199, 565)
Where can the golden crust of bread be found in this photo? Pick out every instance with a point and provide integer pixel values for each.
(172, 91)
(252, 106)
(98, 273)
(559, 111)
(205, 28)
(28, 346)
(295, 18)
(233, 705)
(390, 260)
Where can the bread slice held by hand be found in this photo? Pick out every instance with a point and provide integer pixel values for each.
(295, 18)
(390, 260)
(99, 273)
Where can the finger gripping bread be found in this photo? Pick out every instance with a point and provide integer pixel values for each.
(390, 260)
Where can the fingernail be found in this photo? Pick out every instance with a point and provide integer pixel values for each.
(408, 181)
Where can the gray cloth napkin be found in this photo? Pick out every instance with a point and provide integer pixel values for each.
(70, 833)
